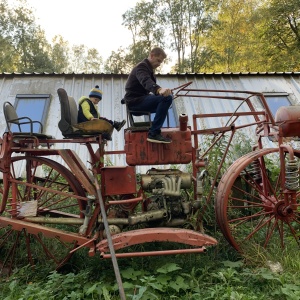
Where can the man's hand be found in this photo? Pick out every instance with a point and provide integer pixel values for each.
(164, 92)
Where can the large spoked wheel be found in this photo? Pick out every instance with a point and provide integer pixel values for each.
(252, 208)
(47, 190)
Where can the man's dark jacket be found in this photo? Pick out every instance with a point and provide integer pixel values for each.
(141, 81)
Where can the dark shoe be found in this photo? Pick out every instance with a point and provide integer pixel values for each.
(158, 139)
(118, 125)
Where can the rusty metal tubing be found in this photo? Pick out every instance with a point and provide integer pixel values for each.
(181, 88)
(47, 220)
(147, 216)
(188, 92)
(110, 242)
(132, 220)
(289, 149)
(83, 245)
(126, 201)
(115, 221)
(155, 253)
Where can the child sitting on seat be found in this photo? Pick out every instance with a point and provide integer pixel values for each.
(88, 111)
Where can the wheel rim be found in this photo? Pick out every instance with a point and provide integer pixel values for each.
(51, 188)
(250, 205)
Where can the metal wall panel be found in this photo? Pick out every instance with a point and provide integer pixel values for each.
(113, 86)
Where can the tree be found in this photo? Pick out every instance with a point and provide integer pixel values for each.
(28, 40)
(124, 60)
(60, 54)
(24, 47)
(174, 23)
(146, 28)
(114, 64)
(93, 61)
(281, 35)
(117, 62)
(84, 60)
(8, 57)
(233, 42)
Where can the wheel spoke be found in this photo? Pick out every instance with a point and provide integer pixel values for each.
(257, 188)
(270, 230)
(294, 232)
(244, 219)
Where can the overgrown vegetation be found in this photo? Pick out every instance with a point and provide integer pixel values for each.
(218, 274)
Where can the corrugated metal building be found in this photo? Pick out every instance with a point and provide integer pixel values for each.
(13, 87)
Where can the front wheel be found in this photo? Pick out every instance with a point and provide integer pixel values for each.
(252, 207)
(39, 188)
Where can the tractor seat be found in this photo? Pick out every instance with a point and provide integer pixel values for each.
(12, 118)
(68, 124)
(137, 120)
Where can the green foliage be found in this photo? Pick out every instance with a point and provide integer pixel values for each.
(206, 36)
(24, 47)
(196, 276)
(24, 39)
(226, 36)
(281, 34)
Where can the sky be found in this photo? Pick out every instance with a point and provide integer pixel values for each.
(95, 23)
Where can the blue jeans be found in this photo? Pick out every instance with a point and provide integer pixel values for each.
(155, 104)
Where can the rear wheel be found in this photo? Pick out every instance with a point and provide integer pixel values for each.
(251, 206)
(47, 190)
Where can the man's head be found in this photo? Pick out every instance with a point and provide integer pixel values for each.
(95, 94)
(156, 57)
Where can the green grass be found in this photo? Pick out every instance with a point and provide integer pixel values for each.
(220, 273)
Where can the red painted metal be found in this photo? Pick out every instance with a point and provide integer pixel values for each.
(141, 152)
(50, 232)
(250, 204)
(287, 118)
(175, 235)
(118, 180)
(155, 253)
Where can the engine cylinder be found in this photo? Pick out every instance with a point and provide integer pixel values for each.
(148, 181)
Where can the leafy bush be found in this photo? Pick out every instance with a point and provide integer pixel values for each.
(218, 274)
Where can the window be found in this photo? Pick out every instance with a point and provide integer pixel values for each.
(276, 100)
(35, 107)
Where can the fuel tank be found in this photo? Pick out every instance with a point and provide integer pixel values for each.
(141, 152)
(288, 119)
